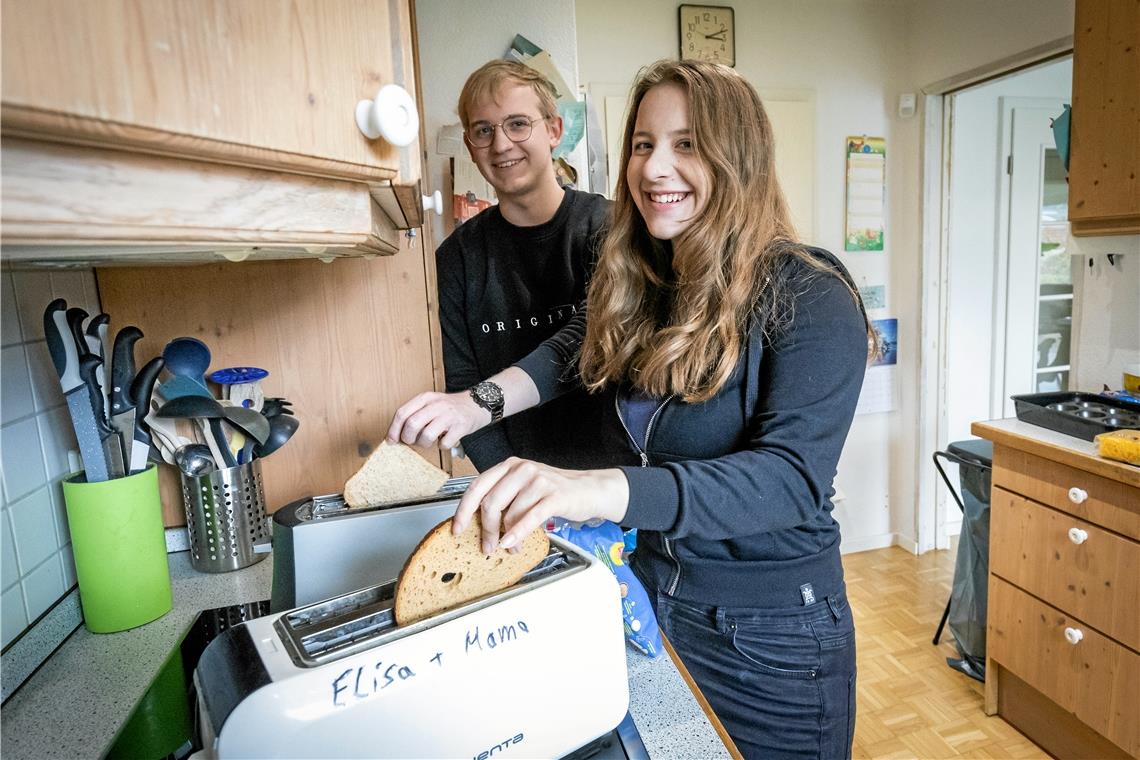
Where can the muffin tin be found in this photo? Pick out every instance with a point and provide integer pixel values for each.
(1082, 415)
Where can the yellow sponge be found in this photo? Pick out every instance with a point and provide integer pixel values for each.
(1121, 445)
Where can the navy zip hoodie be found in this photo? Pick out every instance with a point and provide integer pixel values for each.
(733, 506)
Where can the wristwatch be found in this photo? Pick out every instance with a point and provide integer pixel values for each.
(489, 396)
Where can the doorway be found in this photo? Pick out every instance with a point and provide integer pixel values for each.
(1007, 288)
(1033, 286)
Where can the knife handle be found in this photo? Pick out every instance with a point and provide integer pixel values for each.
(123, 369)
(143, 387)
(98, 321)
(75, 319)
(61, 344)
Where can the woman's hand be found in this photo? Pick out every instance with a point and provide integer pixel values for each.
(517, 496)
(437, 419)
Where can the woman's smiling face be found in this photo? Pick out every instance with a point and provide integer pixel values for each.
(669, 184)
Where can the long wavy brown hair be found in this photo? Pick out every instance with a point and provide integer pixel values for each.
(673, 318)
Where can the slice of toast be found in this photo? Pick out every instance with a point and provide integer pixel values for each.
(445, 570)
(394, 472)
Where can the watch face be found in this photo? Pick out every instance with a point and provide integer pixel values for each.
(707, 33)
(489, 393)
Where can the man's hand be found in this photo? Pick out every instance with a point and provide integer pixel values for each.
(517, 496)
(437, 419)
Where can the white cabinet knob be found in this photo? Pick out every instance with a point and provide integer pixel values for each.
(391, 114)
(1077, 495)
(1078, 536)
(1074, 635)
(434, 202)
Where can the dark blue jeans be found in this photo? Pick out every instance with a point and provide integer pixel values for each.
(781, 681)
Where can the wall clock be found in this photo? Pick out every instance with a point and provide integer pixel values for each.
(707, 33)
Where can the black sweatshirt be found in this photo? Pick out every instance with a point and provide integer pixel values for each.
(502, 291)
(733, 502)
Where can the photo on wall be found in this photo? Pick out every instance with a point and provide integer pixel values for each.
(888, 330)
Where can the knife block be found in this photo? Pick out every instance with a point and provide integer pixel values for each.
(119, 544)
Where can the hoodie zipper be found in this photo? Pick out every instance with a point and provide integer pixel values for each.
(675, 579)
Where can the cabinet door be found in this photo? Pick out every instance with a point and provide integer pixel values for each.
(266, 83)
(1104, 165)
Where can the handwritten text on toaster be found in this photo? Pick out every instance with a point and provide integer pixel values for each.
(364, 681)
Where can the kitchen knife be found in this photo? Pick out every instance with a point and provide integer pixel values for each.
(65, 356)
(96, 335)
(141, 390)
(122, 375)
(89, 364)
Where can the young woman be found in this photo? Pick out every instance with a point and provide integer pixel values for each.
(732, 357)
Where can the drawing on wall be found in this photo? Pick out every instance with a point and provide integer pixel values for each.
(874, 296)
(888, 330)
(866, 184)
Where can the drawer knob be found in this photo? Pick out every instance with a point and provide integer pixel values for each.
(391, 114)
(1078, 536)
(1077, 495)
(434, 202)
(1074, 635)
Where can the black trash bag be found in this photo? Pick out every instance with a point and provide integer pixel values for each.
(967, 618)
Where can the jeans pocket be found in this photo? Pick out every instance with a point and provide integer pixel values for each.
(789, 652)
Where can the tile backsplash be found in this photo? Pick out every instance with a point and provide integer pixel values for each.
(35, 438)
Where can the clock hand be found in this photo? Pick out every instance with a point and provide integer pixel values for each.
(717, 35)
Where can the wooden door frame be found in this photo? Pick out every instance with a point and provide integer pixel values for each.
(931, 421)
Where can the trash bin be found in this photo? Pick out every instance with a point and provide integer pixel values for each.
(966, 609)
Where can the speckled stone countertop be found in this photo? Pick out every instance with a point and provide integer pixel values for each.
(77, 702)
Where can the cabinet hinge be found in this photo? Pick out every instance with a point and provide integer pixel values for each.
(1009, 164)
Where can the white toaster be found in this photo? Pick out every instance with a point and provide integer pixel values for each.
(535, 670)
(322, 549)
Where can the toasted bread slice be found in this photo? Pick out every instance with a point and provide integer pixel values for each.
(445, 570)
(394, 472)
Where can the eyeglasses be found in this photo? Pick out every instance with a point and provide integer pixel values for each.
(517, 129)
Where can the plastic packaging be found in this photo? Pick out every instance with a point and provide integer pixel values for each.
(605, 541)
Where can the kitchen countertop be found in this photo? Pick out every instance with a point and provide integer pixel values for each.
(77, 702)
(1056, 447)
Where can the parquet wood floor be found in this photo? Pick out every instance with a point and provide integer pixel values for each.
(910, 703)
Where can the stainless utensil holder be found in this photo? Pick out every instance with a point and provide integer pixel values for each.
(225, 517)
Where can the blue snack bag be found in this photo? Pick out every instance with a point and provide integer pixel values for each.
(605, 541)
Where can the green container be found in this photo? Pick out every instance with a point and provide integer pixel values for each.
(119, 544)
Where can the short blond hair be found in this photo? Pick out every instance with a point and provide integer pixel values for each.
(486, 80)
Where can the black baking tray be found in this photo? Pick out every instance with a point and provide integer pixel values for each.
(1081, 415)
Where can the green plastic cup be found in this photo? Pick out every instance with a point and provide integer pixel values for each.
(119, 544)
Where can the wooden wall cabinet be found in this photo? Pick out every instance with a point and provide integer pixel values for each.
(1063, 629)
(1104, 160)
(171, 130)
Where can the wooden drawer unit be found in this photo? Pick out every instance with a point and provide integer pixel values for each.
(1082, 671)
(1090, 572)
(1063, 625)
(1110, 503)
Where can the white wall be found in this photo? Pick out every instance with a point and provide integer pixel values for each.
(1106, 322)
(858, 56)
(949, 37)
(455, 38)
(977, 162)
(38, 567)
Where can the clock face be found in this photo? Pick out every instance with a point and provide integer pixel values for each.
(707, 33)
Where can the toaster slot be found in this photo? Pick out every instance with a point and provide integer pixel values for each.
(333, 505)
(353, 622)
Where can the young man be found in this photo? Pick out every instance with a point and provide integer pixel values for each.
(511, 276)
